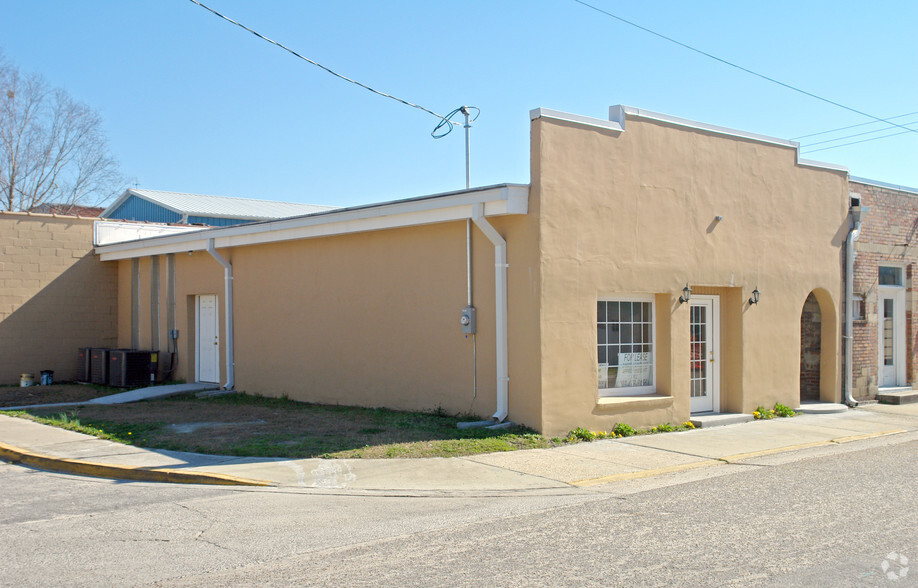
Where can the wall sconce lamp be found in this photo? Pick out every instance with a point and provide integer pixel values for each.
(755, 297)
(686, 294)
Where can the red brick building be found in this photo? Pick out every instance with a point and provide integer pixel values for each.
(886, 253)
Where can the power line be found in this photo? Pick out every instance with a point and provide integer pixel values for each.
(908, 125)
(856, 142)
(444, 120)
(741, 68)
(851, 127)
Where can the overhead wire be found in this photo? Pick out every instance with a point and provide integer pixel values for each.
(855, 135)
(851, 127)
(741, 68)
(443, 120)
(436, 134)
(805, 150)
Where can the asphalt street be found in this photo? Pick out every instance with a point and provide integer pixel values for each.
(826, 516)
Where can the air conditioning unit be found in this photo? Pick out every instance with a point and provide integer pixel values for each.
(84, 374)
(128, 368)
(98, 365)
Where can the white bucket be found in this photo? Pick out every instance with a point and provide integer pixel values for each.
(26, 380)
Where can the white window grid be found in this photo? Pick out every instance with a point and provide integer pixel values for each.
(626, 345)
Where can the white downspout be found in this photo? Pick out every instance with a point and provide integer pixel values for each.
(853, 234)
(500, 303)
(228, 307)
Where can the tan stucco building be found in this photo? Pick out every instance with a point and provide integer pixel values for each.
(578, 281)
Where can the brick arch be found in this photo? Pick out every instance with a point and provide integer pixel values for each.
(818, 348)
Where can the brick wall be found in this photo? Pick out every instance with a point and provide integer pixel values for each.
(55, 295)
(888, 236)
(810, 348)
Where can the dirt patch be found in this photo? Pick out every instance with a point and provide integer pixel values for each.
(16, 396)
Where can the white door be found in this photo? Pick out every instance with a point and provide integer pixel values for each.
(705, 353)
(891, 338)
(207, 345)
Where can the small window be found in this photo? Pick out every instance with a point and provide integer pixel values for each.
(625, 343)
(890, 276)
(857, 308)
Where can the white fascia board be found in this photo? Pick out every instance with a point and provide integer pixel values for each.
(498, 200)
(109, 232)
(189, 245)
(576, 118)
(620, 112)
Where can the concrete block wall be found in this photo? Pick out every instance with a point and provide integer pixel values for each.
(889, 235)
(55, 295)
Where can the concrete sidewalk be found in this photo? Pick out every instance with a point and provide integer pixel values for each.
(580, 465)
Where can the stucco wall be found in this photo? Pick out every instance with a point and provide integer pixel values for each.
(55, 295)
(367, 319)
(634, 212)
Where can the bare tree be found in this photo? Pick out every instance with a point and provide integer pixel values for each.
(52, 148)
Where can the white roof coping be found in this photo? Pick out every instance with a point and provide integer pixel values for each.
(619, 113)
(501, 199)
(218, 206)
(584, 120)
(880, 184)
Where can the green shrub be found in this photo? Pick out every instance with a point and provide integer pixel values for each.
(582, 434)
(623, 430)
(781, 410)
(763, 413)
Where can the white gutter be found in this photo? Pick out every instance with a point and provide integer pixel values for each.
(500, 305)
(228, 307)
(853, 234)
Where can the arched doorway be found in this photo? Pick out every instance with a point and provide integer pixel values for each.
(810, 349)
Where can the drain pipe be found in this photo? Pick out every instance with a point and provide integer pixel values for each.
(500, 304)
(228, 307)
(853, 234)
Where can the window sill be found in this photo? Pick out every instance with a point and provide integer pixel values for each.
(626, 403)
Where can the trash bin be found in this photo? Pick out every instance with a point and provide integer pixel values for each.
(26, 380)
(47, 377)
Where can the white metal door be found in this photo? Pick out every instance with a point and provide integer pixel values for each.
(705, 353)
(891, 340)
(207, 345)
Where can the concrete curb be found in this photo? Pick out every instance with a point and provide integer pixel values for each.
(115, 472)
(729, 459)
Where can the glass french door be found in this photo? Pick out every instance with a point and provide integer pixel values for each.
(705, 353)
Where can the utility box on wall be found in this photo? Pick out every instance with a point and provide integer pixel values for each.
(468, 320)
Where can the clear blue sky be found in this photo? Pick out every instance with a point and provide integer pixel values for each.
(194, 104)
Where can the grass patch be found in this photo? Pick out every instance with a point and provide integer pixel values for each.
(255, 426)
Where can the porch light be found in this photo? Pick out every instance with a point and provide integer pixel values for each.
(755, 297)
(686, 294)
